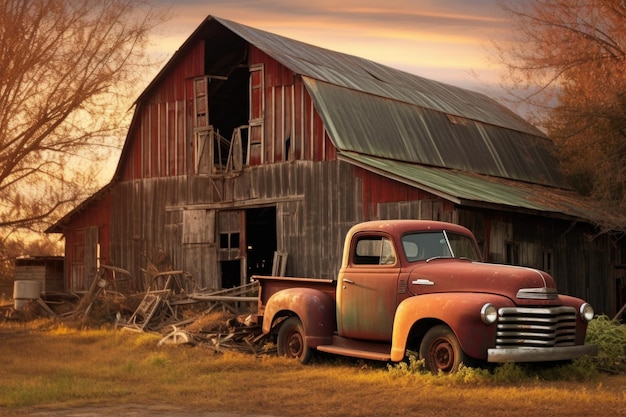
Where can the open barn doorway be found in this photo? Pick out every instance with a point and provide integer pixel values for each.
(260, 240)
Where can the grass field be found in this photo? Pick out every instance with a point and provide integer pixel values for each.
(48, 365)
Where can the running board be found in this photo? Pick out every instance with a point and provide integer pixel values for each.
(358, 349)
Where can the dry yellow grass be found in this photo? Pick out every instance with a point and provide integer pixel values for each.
(60, 368)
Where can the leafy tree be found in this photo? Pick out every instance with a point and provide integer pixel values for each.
(68, 70)
(567, 60)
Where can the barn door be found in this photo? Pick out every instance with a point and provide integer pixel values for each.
(247, 244)
(261, 241)
(231, 233)
(84, 258)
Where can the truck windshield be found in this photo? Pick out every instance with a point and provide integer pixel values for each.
(441, 244)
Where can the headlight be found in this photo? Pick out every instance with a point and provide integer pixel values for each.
(586, 312)
(488, 314)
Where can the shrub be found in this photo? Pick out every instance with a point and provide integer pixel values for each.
(610, 336)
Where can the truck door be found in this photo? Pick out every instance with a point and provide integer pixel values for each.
(367, 304)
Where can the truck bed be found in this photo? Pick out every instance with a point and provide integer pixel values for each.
(271, 285)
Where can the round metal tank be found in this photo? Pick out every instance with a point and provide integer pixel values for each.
(24, 291)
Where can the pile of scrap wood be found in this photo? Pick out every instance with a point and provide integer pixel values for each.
(222, 319)
(172, 305)
(221, 331)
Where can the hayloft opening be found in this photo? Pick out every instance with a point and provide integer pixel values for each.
(221, 107)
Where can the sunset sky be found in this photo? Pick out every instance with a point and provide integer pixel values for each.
(444, 40)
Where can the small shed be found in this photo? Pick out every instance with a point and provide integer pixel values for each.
(46, 269)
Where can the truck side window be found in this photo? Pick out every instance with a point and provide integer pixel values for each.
(374, 250)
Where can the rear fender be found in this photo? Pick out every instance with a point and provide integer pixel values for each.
(459, 311)
(315, 309)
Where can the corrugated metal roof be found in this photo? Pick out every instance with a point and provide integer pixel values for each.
(377, 110)
(477, 190)
(378, 126)
(377, 79)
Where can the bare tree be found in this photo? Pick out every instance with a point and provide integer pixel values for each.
(567, 59)
(68, 72)
(12, 249)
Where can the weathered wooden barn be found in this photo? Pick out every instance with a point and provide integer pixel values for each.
(248, 144)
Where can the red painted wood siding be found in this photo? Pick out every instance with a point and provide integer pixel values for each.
(378, 189)
(158, 143)
(292, 127)
(96, 214)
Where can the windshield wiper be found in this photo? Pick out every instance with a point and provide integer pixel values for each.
(463, 258)
(438, 257)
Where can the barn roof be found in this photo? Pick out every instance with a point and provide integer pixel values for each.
(453, 142)
(363, 75)
(380, 111)
(473, 190)
(456, 143)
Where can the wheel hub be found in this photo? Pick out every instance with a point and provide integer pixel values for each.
(295, 344)
(443, 355)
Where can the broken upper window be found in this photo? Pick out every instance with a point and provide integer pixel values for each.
(215, 154)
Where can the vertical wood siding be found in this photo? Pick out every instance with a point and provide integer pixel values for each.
(289, 116)
(299, 191)
(159, 145)
(94, 216)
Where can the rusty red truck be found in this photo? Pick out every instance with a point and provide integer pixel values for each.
(421, 286)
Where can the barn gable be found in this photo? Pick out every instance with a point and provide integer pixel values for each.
(248, 143)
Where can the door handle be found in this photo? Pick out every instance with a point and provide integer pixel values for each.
(423, 282)
(349, 281)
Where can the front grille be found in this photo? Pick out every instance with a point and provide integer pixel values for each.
(536, 327)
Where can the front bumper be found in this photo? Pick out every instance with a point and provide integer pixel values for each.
(540, 354)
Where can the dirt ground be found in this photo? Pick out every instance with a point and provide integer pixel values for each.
(126, 410)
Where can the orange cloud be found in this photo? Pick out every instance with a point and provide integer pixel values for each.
(440, 39)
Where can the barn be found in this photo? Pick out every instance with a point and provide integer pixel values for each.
(250, 151)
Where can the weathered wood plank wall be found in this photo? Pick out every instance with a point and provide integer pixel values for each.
(316, 204)
(580, 261)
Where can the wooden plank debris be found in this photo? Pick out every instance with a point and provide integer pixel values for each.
(172, 305)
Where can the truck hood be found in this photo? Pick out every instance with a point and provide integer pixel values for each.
(521, 284)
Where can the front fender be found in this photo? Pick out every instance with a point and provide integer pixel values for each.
(460, 311)
(581, 325)
(315, 309)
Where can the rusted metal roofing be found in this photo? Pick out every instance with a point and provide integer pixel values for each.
(380, 111)
(470, 189)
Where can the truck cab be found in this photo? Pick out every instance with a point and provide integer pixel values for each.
(410, 285)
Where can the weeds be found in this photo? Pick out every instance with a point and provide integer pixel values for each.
(582, 370)
(610, 336)
(415, 367)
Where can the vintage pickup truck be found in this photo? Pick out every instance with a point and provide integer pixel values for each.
(420, 286)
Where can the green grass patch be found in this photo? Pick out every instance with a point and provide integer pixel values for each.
(610, 336)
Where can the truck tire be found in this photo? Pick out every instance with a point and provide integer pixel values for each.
(291, 341)
(441, 351)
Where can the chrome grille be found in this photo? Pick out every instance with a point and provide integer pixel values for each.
(536, 327)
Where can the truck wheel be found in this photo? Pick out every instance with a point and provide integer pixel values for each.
(291, 342)
(441, 350)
